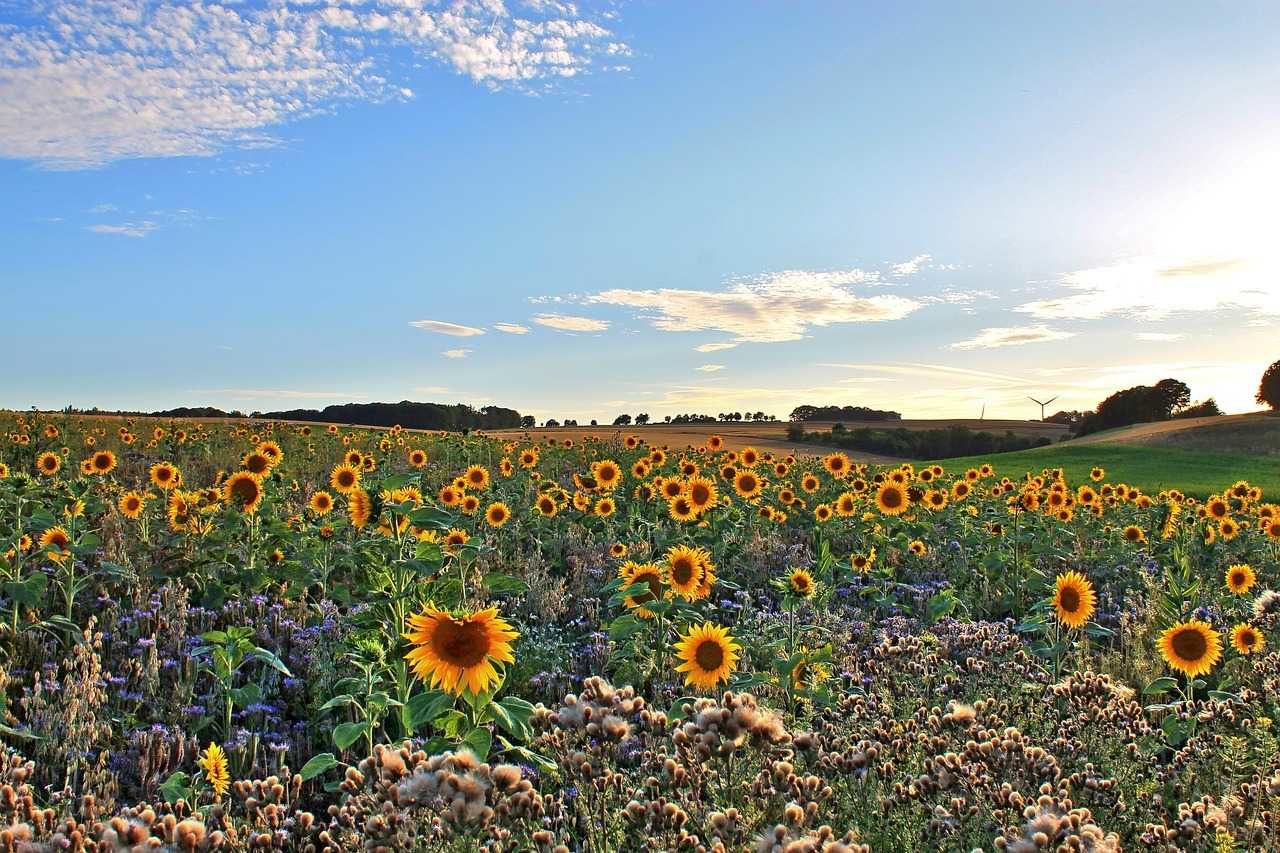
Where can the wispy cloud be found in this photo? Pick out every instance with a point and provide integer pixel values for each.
(766, 309)
(511, 328)
(910, 267)
(92, 81)
(1008, 336)
(1153, 288)
(461, 352)
(443, 327)
(710, 368)
(125, 229)
(571, 323)
(431, 389)
(1159, 337)
(717, 347)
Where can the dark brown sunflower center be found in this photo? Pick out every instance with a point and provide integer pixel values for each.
(346, 478)
(682, 570)
(700, 494)
(1069, 599)
(461, 643)
(709, 655)
(1248, 638)
(1189, 644)
(892, 498)
(1237, 578)
(747, 483)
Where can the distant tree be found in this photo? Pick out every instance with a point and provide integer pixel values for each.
(622, 420)
(570, 421)
(551, 422)
(666, 419)
(593, 422)
(1065, 417)
(1139, 404)
(642, 418)
(528, 422)
(1269, 387)
(1206, 409)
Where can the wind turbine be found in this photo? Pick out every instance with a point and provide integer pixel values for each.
(1042, 404)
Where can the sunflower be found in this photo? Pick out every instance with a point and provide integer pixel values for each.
(477, 477)
(102, 462)
(272, 451)
(257, 463)
(1073, 599)
(344, 478)
(1191, 648)
(800, 582)
(455, 538)
(470, 504)
(715, 442)
(417, 457)
(747, 484)
(682, 509)
(917, 548)
(48, 464)
(1217, 507)
(1228, 529)
(960, 490)
(213, 761)
(354, 458)
(641, 573)
(165, 475)
(458, 653)
(701, 493)
(1240, 578)
(822, 512)
(862, 563)
(617, 550)
(809, 483)
(607, 474)
(321, 503)
(1096, 474)
(497, 514)
(547, 506)
(4, 471)
(837, 465)
(131, 504)
(58, 543)
(1133, 533)
(671, 489)
(935, 499)
(750, 457)
(243, 490)
(1247, 639)
(892, 498)
(684, 571)
(359, 508)
(605, 507)
(709, 655)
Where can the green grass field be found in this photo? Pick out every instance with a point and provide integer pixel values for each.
(1197, 473)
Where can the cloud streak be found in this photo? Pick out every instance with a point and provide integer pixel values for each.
(571, 323)
(1009, 336)
(767, 309)
(443, 327)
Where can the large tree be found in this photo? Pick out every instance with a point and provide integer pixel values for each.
(1269, 387)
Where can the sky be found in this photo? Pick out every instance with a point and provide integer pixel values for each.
(578, 210)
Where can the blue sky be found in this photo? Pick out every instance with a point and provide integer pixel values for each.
(636, 206)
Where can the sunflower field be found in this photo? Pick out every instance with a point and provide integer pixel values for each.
(245, 635)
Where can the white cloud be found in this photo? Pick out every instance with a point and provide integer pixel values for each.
(766, 309)
(715, 347)
(910, 267)
(1153, 288)
(1159, 337)
(511, 328)
(125, 229)
(443, 327)
(88, 82)
(710, 368)
(1008, 336)
(456, 353)
(431, 389)
(571, 323)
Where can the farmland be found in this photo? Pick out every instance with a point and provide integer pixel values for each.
(254, 635)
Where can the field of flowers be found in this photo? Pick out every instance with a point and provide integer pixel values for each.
(267, 636)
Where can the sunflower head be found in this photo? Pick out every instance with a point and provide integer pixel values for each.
(1247, 639)
(800, 583)
(684, 571)
(1240, 578)
(708, 655)
(1073, 599)
(1191, 648)
(460, 654)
